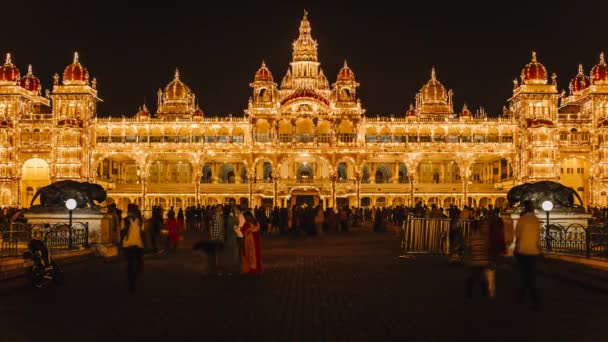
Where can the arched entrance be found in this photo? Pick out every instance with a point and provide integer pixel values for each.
(35, 174)
(305, 196)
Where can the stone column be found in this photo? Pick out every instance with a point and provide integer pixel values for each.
(333, 178)
(250, 177)
(358, 188)
(275, 180)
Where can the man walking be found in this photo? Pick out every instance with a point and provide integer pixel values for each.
(527, 251)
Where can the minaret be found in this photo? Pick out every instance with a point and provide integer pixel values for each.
(305, 65)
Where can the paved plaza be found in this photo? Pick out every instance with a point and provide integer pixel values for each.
(349, 287)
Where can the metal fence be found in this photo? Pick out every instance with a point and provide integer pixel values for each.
(15, 237)
(431, 235)
(575, 239)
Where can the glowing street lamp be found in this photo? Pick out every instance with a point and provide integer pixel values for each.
(547, 207)
(71, 205)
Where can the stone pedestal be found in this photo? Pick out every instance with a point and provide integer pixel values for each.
(99, 223)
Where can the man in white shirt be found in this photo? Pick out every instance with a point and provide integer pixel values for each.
(527, 250)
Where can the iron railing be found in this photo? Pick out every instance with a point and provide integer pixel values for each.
(575, 239)
(15, 237)
(431, 235)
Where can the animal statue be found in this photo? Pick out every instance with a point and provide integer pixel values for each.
(538, 192)
(56, 194)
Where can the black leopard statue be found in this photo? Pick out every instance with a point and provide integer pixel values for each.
(56, 194)
(538, 192)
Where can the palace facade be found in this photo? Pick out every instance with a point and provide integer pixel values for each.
(304, 141)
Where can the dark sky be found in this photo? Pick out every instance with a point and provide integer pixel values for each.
(134, 49)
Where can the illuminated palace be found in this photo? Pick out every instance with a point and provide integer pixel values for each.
(304, 141)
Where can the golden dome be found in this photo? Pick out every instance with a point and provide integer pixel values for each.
(177, 90)
(433, 92)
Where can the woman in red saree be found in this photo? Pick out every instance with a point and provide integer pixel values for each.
(251, 254)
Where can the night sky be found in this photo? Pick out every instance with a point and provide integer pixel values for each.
(133, 50)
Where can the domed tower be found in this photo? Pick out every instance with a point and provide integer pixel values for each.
(21, 107)
(74, 107)
(535, 104)
(571, 104)
(599, 73)
(305, 64)
(264, 89)
(433, 100)
(9, 74)
(345, 89)
(30, 82)
(143, 113)
(177, 100)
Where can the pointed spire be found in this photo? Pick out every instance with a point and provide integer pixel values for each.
(263, 63)
(345, 64)
(144, 108)
(411, 106)
(176, 74)
(305, 25)
(29, 69)
(8, 59)
(76, 57)
(533, 56)
(580, 69)
(602, 58)
(433, 76)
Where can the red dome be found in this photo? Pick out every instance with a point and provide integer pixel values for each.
(580, 81)
(197, 112)
(534, 72)
(411, 111)
(143, 111)
(9, 72)
(345, 73)
(263, 74)
(465, 112)
(75, 71)
(599, 73)
(30, 82)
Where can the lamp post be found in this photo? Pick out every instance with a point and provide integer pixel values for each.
(547, 206)
(70, 204)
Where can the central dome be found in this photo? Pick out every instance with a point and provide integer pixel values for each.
(177, 90)
(433, 91)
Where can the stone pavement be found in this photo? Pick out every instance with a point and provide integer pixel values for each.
(350, 287)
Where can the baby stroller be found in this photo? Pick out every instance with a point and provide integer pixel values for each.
(43, 269)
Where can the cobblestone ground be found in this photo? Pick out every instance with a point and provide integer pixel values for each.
(350, 287)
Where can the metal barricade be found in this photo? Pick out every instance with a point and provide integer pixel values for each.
(425, 235)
